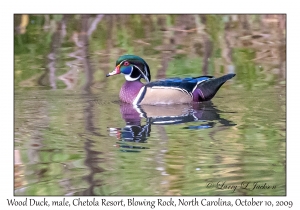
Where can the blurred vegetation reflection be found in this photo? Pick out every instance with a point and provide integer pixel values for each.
(73, 137)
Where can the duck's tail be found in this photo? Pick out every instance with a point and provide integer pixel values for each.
(209, 88)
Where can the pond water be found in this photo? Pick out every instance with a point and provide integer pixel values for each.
(72, 135)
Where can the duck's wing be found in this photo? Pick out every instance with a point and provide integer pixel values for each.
(188, 84)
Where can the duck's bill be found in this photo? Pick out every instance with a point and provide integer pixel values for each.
(116, 71)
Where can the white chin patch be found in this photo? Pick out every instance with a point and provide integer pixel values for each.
(128, 78)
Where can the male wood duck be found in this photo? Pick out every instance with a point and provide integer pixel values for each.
(165, 91)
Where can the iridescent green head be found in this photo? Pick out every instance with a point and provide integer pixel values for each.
(133, 67)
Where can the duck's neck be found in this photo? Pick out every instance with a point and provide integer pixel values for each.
(129, 90)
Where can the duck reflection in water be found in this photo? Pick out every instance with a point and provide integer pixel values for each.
(205, 114)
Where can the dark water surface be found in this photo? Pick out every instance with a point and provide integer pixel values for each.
(74, 137)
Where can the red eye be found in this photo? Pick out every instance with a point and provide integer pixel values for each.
(126, 63)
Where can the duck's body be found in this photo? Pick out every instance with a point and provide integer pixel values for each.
(165, 91)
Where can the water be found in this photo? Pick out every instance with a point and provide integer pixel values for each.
(74, 137)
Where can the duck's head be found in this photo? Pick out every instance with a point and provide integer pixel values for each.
(133, 67)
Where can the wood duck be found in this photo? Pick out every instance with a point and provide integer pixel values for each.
(165, 91)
